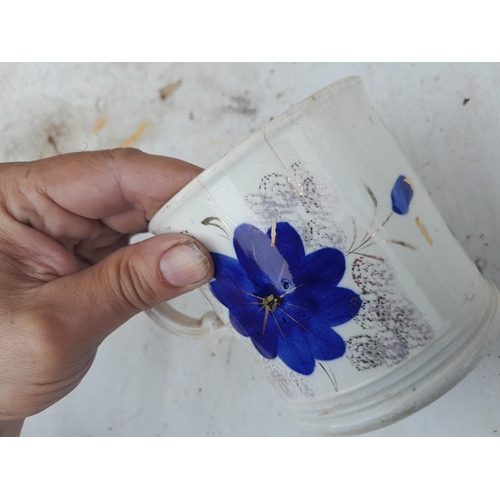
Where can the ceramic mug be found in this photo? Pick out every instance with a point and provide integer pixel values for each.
(334, 267)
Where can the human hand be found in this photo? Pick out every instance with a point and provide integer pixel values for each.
(68, 277)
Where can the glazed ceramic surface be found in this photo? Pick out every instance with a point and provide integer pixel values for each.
(334, 267)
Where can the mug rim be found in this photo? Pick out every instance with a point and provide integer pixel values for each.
(249, 143)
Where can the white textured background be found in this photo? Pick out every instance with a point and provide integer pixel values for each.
(146, 382)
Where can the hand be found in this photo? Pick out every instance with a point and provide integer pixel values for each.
(68, 277)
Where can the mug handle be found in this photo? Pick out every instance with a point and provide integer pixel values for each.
(183, 325)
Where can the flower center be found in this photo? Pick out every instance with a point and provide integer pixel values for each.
(271, 302)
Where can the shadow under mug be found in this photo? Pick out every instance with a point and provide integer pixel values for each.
(334, 267)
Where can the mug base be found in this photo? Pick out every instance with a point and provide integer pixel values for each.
(420, 381)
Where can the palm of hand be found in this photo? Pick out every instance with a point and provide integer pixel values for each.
(65, 280)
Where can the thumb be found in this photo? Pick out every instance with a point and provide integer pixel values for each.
(94, 302)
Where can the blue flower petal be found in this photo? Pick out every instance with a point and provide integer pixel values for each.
(324, 305)
(401, 195)
(323, 266)
(326, 344)
(250, 319)
(229, 295)
(263, 263)
(228, 269)
(231, 286)
(340, 306)
(295, 352)
(262, 329)
(267, 343)
(239, 320)
(237, 325)
(263, 348)
(289, 244)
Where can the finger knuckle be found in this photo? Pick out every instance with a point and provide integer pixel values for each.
(135, 288)
(118, 154)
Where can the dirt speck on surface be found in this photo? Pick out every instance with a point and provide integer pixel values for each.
(168, 90)
(53, 143)
(423, 230)
(241, 105)
(100, 123)
(54, 133)
(480, 264)
(136, 135)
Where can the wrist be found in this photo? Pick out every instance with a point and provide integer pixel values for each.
(11, 428)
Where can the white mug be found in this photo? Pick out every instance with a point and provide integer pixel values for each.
(334, 267)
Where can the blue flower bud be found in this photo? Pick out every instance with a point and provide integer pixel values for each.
(401, 195)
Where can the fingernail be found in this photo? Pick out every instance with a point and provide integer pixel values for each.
(184, 265)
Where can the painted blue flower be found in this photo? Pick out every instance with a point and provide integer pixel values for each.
(287, 302)
(401, 195)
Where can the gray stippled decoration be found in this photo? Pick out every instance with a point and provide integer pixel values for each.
(298, 193)
(392, 324)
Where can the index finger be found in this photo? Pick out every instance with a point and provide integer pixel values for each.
(103, 184)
